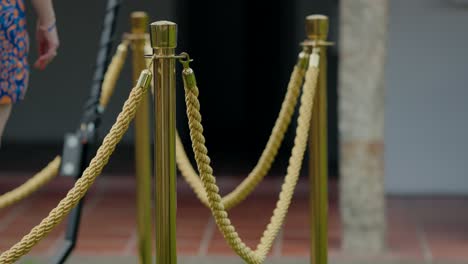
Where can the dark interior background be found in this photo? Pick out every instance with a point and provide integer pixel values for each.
(243, 55)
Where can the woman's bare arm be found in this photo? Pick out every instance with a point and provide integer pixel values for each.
(45, 12)
(46, 32)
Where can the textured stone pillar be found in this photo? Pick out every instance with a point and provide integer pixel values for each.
(363, 36)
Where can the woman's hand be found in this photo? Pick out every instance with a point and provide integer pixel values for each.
(47, 43)
(46, 32)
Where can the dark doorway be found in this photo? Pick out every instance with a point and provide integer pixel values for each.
(244, 52)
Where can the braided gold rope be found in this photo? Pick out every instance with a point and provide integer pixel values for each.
(268, 155)
(287, 190)
(30, 186)
(52, 169)
(113, 73)
(81, 186)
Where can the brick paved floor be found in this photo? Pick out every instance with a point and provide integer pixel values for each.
(421, 229)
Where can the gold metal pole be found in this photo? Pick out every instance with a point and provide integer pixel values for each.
(139, 21)
(317, 31)
(164, 42)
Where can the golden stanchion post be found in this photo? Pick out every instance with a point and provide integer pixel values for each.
(164, 42)
(317, 33)
(139, 22)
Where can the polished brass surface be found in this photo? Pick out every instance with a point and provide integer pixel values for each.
(165, 56)
(163, 41)
(139, 22)
(145, 78)
(317, 32)
(189, 78)
(163, 35)
(317, 27)
(303, 60)
(314, 59)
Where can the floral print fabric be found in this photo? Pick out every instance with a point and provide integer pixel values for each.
(14, 69)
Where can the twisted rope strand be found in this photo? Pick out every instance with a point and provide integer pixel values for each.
(33, 184)
(268, 155)
(113, 72)
(52, 169)
(209, 181)
(81, 186)
(295, 164)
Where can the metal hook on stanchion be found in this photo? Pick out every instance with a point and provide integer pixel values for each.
(164, 41)
(185, 60)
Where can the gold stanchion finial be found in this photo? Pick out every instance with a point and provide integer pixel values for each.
(163, 34)
(139, 21)
(317, 27)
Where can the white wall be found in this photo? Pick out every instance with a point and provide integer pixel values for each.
(427, 98)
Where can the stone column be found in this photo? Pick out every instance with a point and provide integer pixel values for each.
(363, 37)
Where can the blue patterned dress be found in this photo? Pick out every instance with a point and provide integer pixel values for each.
(14, 69)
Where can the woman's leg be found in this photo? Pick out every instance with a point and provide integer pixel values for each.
(5, 110)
